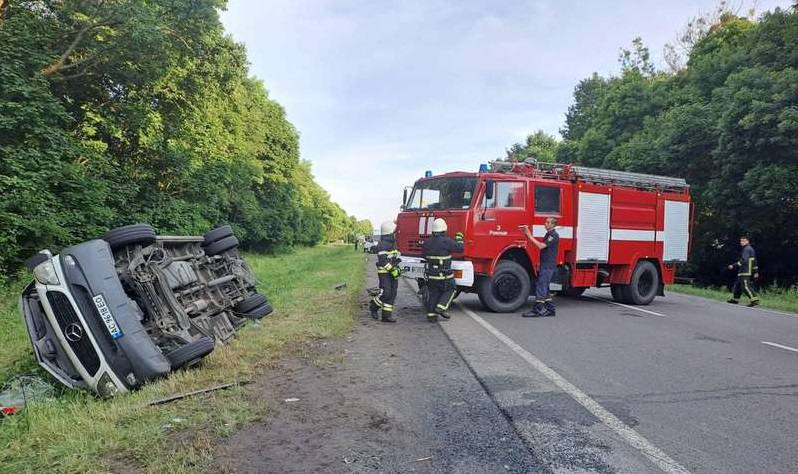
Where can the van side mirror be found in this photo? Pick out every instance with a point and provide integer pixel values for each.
(489, 189)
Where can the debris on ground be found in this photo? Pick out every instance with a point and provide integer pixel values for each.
(340, 286)
(18, 392)
(180, 396)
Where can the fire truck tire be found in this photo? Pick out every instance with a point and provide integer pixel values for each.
(643, 287)
(507, 289)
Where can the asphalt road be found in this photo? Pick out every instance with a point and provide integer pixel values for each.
(682, 385)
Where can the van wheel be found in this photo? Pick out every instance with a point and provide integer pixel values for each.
(191, 353)
(643, 287)
(221, 246)
(136, 234)
(507, 289)
(216, 234)
(248, 304)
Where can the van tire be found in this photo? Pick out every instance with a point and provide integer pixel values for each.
(221, 246)
(507, 290)
(260, 312)
(191, 353)
(216, 234)
(136, 234)
(250, 303)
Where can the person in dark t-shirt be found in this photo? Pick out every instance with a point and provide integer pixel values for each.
(548, 265)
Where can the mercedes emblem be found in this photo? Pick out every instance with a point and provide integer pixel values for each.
(73, 332)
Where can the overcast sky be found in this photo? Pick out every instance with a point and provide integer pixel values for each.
(382, 91)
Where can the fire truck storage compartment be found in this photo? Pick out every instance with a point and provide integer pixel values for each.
(676, 235)
(593, 229)
(633, 223)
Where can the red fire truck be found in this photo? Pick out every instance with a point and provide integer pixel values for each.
(628, 231)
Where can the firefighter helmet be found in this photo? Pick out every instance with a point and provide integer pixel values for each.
(439, 225)
(387, 227)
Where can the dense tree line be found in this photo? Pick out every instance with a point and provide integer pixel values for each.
(122, 111)
(725, 118)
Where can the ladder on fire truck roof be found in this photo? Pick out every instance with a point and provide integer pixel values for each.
(593, 175)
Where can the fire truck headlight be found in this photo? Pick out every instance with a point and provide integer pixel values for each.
(45, 273)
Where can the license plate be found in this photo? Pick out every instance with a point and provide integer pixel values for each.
(108, 319)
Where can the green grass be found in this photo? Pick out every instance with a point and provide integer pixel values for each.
(783, 299)
(76, 432)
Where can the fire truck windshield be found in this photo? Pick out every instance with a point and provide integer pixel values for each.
(442, 193)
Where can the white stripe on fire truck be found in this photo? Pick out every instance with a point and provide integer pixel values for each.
(422, 225)
(567, 232)
(633, 234)
(564, 231)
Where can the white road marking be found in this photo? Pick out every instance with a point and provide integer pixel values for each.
(780, 346)
(637, 441)
(625, 305)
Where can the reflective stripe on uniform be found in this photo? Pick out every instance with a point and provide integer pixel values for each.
(438, 257)
(440, 277)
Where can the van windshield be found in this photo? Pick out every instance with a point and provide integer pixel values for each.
(442, 193)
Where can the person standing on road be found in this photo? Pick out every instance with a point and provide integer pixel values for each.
(437, 252)
(548, 265)
(387, 272)
(746, 268)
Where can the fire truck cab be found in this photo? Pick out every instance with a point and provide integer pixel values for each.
(625, 230)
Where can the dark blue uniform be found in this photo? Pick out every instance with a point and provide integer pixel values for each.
(437, 251)
(548, 265)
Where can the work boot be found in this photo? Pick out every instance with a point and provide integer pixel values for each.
(374, 314)
(536, 311)
(753, 303)
(388, 317)
(732, 301)
(444, 315)
(432, 317)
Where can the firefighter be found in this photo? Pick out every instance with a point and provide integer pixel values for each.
(548, 265)
(437, 252)
(387, 272)
(746, 268)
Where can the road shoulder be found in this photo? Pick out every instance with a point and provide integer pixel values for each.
(391, 398)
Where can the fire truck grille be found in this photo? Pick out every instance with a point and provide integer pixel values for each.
(74, 332)
(414, 245)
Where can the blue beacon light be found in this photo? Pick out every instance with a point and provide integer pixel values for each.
(483, 168)
(428, 174)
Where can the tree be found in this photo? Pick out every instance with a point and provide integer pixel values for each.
(539, 145)
(121, 111)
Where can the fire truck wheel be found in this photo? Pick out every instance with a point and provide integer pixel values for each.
(643, 287)
(507, 289)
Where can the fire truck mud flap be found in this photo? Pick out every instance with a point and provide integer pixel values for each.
(413, 268)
